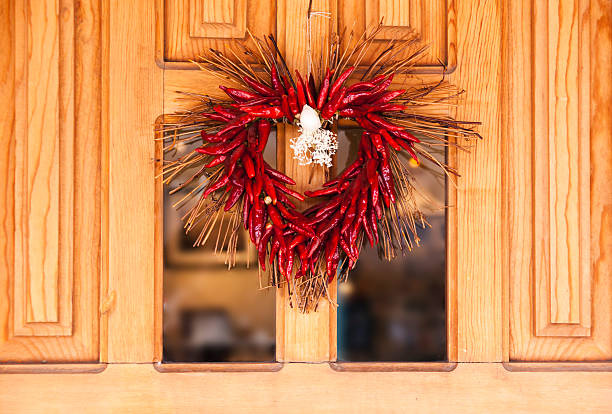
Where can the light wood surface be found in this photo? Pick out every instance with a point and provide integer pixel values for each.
(44, 141)
(50, 179)
(558, 158)
(218, 18)
(135, 101)
(186, 28)
(302, 336)
(475, 248)
(561, 168)
(433, 20)
(308, 388)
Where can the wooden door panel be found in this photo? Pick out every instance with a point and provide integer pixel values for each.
(559, 198)
(50, 182)
(433, 20)
(186, 28)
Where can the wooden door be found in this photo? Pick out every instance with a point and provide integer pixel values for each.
(529, 286)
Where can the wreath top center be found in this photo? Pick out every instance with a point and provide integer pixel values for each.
(372, 199)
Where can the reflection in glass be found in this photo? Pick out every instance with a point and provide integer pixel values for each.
(395, 311)
(212, 314)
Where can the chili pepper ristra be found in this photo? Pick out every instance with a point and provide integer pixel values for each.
(222, 173)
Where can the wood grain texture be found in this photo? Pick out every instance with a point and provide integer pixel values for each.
(532, 116)
(303, 337)
(186, 28)
(51, 80)
(476, 219)
(308, 388)
(44, 168)
(561, 168)
(224, 19)
(135, 100)
(433, 20)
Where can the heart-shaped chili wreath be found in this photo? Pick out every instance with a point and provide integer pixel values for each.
(371, 199)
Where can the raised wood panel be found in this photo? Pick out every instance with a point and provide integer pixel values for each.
(50, 87)
(225, 19)
(561, 168)
(559, 200)
(44, 168)
(187, 28)
(433, 20)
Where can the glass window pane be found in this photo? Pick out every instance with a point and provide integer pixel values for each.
(212, 314)
(395, 311)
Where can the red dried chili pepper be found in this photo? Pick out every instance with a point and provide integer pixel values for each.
(340, 81)
(286, 109)
(263, 246)
(410, 150)
(405, 135)
(216, 117)
(387, 96)
(275, 217)
(276, 82)
(249, 167)
(258, 218)
(216, 161)
(385, 134)
(329, 207)
(236, 155)
(360, 86)
(302, 90)
(350, 98)
(274, 250)
(374, 224)
(279, 176)
(324, 90)
(273, 112)
(388, 108)
(238, 95)
(331, 249)
(221, 148)
(259, 87)
(351, 112)
(236, 123)
(381, 122)
(346, 248)
(269, 188)
(333, 104)
(233, 197)
(286, 190)
(215, 186)
(301, 229)
(263, 131)
(293, 101)
(322, 192)
(387, 177)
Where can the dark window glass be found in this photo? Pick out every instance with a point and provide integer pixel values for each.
(212, 314)
(395, 311)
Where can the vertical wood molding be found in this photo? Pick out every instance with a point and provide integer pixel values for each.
(561, 168)
(476, 217)
(557, 94)
(44, 167)
(135, 86)
(224, 19)
(302, 337)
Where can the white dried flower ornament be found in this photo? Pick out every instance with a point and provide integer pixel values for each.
(315, 144)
